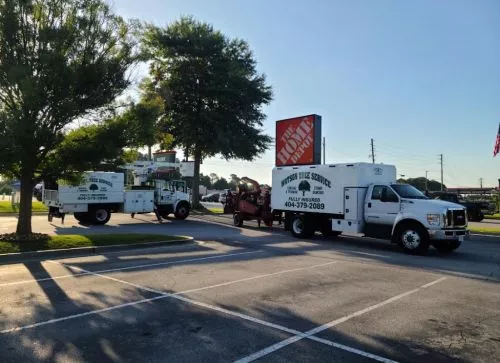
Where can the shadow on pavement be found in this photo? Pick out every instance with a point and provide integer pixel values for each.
(168, 330)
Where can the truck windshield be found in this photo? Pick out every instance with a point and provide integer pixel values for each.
(408, 191)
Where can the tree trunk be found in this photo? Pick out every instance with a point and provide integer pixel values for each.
(196, 179)
(150, 158)
(25, 207)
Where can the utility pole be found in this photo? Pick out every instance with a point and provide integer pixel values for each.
(481, 182)
(373, 152)
(426, 180)
(324, 153)
(441, 158)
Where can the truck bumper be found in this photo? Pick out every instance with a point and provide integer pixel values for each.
(449, 234)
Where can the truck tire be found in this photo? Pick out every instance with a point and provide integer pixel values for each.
(446, 246)
(81, 217)
(100, 216)
(238, 220)
(182, 211)
(301, 226)
(413, 238)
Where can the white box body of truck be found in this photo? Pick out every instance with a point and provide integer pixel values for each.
(97, 187)
(320, 188)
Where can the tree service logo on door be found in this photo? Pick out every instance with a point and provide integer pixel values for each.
(298, 141)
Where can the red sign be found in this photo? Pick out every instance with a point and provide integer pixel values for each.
(298, 141)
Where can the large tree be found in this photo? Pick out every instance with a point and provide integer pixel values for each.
(212, 91)
(58, 61)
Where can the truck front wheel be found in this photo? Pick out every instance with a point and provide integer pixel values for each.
(413, 238)
(182, 210)
(301, 226)
(100, 216)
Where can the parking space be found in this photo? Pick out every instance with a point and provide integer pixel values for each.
(267, 299)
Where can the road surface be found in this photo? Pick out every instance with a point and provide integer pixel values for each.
(250, 294)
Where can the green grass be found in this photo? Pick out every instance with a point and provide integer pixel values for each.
(216, 210)
(6, 207)
(78, 240)
(493, 216)
(485, 229)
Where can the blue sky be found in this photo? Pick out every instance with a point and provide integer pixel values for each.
(419, 77)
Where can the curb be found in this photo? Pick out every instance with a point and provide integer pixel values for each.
(485, 235)
(78, 251)
(14, 214)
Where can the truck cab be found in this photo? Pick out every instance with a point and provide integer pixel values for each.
(411, 219)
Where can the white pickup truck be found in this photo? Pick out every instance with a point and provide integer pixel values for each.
(365, 198)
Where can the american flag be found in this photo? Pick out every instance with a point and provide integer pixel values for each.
(497, 143)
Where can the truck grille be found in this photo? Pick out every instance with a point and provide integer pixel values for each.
(456, 217)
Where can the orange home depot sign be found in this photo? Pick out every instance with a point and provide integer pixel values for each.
(298, 141)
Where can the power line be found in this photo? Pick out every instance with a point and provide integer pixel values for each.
(324, 153)
(372, 155)
(441, 158)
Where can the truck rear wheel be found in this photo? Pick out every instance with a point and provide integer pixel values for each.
(302, 226)
(413, 238)
(446, 246)
(100, 216)
(82, 217)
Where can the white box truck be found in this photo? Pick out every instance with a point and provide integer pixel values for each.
(365, 198)
(102, 193)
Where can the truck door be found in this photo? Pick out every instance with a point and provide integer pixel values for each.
(382, 206)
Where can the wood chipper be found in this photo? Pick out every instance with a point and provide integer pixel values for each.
(249, 203)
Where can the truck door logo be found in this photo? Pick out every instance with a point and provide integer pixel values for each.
(378, 171)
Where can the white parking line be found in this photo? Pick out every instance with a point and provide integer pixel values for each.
(128, 268)
(163, 295)
(244, 316)
(296, 338)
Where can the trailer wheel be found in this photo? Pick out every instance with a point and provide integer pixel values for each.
(413, 238)
(238, 220)
(301, 226)
(182, 210)
(100, 216)
(446, 246)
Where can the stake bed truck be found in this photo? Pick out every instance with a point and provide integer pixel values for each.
(365, 198)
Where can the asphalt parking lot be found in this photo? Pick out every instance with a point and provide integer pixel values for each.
(250, 294)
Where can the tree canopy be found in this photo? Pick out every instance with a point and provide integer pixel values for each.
(59, 60)
(212, 91)
(419, 183)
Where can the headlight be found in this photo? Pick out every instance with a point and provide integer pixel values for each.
(434, 219)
